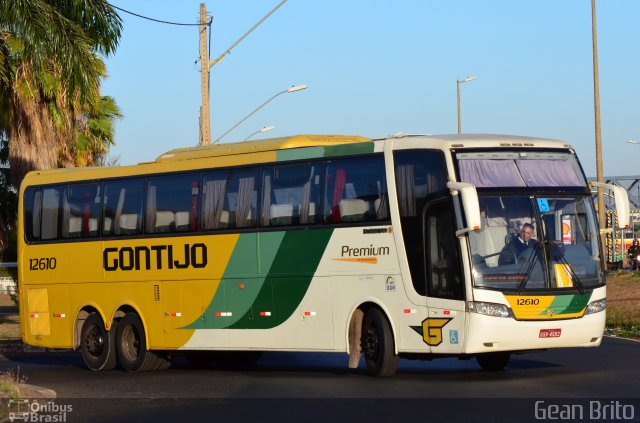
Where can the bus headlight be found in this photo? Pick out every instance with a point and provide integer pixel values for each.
(596, 306)
(489, 309)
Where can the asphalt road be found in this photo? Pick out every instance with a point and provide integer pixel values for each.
(315, 387)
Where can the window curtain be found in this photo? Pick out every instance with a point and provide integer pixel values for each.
(304, 201)
(338, 191)
(406, 190)
(546, 173)
(152, 211)
(382, 212)
(120, 206)
(245, 195)
(66, 214)
(490, 173)
(37, 214)
(213, 202)
(193, 221)
(265, 216)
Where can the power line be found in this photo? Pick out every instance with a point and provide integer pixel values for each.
(158, 20)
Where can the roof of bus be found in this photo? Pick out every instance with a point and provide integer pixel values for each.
(481, 140)
(270, 144)
(285, 148)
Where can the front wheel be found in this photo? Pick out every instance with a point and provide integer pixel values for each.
(131, 344)
(97, 344)
(493, 361)
(378, 345)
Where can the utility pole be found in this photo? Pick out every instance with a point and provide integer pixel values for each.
(206, 64)
(596, 103)
(205, 113)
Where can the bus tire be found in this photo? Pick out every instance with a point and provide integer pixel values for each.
(493, 361)
(98, 345)
(131, 342)
(378, 345)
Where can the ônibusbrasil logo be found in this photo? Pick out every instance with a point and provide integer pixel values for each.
(25, 410)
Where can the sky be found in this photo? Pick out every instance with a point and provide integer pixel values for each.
(378, 67)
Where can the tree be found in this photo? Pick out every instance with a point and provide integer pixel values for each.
(8, 209)
(51, 110)
(50, 70)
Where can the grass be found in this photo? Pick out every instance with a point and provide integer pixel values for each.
(9, 384)
(623, 304)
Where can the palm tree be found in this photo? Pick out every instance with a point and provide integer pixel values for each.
(51, 111)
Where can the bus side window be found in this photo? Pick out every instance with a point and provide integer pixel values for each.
(172, 203)
(420, 174)
(242, 197)
(123, 207)
(81, 211)
(214, 187)
(33, 213)
(356, 190)
(290, 195)
(51, 202)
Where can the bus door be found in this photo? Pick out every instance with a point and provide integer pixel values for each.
(443, 329)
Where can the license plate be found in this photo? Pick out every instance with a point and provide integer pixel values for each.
(550, 333)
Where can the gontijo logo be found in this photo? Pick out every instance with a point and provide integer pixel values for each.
(154, 257)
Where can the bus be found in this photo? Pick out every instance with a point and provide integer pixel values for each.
(381, 249)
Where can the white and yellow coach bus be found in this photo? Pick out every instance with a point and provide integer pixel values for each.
(384, 248)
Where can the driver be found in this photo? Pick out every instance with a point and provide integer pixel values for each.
(511, 251)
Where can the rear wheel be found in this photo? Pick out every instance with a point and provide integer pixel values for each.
(493, 361)
(97, 344)
(378, 345)
(131, 344)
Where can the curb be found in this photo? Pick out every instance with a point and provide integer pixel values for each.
(32, 391)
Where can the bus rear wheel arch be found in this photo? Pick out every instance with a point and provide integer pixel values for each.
(98, 345)
(131, 345)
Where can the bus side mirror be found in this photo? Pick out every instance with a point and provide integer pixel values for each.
(623, 209)
(470, 204)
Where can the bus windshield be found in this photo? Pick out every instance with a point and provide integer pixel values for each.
(531, 242)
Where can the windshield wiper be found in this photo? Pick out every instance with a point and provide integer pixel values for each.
(531, 261)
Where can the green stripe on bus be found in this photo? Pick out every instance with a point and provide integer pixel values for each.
(239, 286)
(288, 281)
(349, 149)
(327, 151)
(568, 304)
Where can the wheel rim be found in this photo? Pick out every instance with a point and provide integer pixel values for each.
(130, 343)
(371, 344)
(94, 341)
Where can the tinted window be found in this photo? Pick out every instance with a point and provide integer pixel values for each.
(214, 188)
(32, 213)
(356, 190)
(242, 197)
(291, 195)
(442, 258)
(81, 211)
(420, 175)
(51, 216)
(172, 203)
(123, 207)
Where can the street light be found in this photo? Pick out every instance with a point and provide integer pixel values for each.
(206, 64)
(264, 129)
(292, 89)
(458, 82)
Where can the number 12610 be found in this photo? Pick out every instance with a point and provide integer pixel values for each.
(42, 263)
